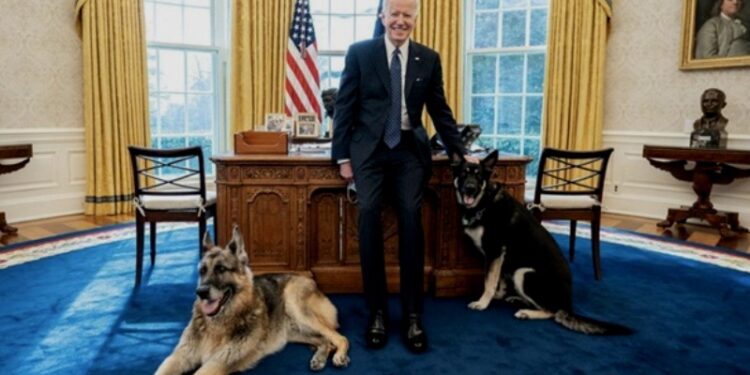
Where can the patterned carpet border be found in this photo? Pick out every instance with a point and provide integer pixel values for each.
(702, 253)
(29, 251)
(34, 250)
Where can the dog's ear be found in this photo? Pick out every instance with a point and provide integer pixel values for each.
(207, 243)
(456, 159)
(489, 161)
(236, 242)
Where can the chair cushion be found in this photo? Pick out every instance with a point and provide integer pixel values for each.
(175, 202)
(568, 201)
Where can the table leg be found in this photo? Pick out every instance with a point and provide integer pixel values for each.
(4, 227)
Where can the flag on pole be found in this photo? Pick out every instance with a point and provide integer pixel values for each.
(302, 86)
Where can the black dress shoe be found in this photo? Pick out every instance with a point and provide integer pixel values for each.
(414, 335)
(376, 337)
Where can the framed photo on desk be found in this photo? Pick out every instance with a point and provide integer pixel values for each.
(307, 125)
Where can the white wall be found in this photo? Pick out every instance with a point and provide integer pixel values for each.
(648, 100)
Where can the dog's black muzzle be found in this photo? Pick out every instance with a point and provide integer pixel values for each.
(203, 291)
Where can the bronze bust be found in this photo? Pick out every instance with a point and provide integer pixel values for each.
(709, 130)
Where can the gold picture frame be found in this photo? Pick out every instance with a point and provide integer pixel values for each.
(698, 13)
(307, 125)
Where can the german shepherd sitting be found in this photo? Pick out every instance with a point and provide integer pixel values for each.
(524, 263)
(238, 319)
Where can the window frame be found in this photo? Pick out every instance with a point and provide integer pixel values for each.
(470, 52)
(220, 53)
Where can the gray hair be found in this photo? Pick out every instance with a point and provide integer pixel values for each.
(387, 3)
(716, 9)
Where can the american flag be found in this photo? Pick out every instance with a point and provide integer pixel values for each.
(302, 86)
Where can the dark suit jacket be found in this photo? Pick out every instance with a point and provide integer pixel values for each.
(363, 103)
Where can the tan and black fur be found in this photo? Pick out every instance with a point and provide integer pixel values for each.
(524, 263)
(238, 319)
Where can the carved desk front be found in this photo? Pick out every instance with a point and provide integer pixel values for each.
(295, 216)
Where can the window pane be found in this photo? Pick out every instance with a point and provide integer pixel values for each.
(342, 32)
(483, 113)
(509, 146)
(539, 2)
(168, 22)
(200, 71)
(153, 72)
(538, 35)
(153, 115)
(337, 66)
(325, 71)
(365, 27)
(201, 3)
(511, 74)
(485, 30)
(486, 142)
(198, 26)
(320, 23)
(483, 75)
(200, 113)
(535, 73)
(487, 4)
(205, 143)
(531, 148)
(509, 115)
(367, 6)
(342, 6)
(514, 28)
(507, 4)
(172, 114)
(533, 115)
(173, 142)
(149, 7)
(318, 6)
(172, 70)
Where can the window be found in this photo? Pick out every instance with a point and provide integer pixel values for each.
(505, 53)
(338, 24)
(186, 51)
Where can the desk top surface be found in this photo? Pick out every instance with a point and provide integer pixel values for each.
(323, 157)
(697, 154)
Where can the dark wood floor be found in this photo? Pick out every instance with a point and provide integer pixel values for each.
(688, 232)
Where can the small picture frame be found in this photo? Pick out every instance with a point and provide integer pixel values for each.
(307, 125)
(288, 125)
(275, 122)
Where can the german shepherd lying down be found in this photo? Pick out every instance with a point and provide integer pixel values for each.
(524, 263)
(238, 319)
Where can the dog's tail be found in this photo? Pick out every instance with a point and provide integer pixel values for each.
(589, 326)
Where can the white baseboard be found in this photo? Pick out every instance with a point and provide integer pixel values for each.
(636, 188)
(53, 183)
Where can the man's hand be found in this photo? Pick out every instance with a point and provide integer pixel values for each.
(345, 170)
(471, 159)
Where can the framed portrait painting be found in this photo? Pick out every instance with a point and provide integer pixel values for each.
(715, 34)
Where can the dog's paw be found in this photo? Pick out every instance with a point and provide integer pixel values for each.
(317, 364)
(522, 314)
(340, 360)
(478, 305)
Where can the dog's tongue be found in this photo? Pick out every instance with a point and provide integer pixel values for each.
(468, 200)
(210, 307)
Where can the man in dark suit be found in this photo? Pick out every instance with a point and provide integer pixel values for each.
(379, 141)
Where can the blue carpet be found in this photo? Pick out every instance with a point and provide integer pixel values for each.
(77, 313)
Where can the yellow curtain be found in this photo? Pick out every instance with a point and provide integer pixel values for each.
(440, 27)
(115, 99)
(574, 96)
(260, 30)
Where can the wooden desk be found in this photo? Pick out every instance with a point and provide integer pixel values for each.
(13, 152)
(712, 166)
(294, 215)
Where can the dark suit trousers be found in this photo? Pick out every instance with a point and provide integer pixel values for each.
(398, 173)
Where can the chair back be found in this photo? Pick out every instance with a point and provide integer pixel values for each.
(168, 171)
(564, 172)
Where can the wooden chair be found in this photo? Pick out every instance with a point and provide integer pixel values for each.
(170, 186)
(570, 186)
